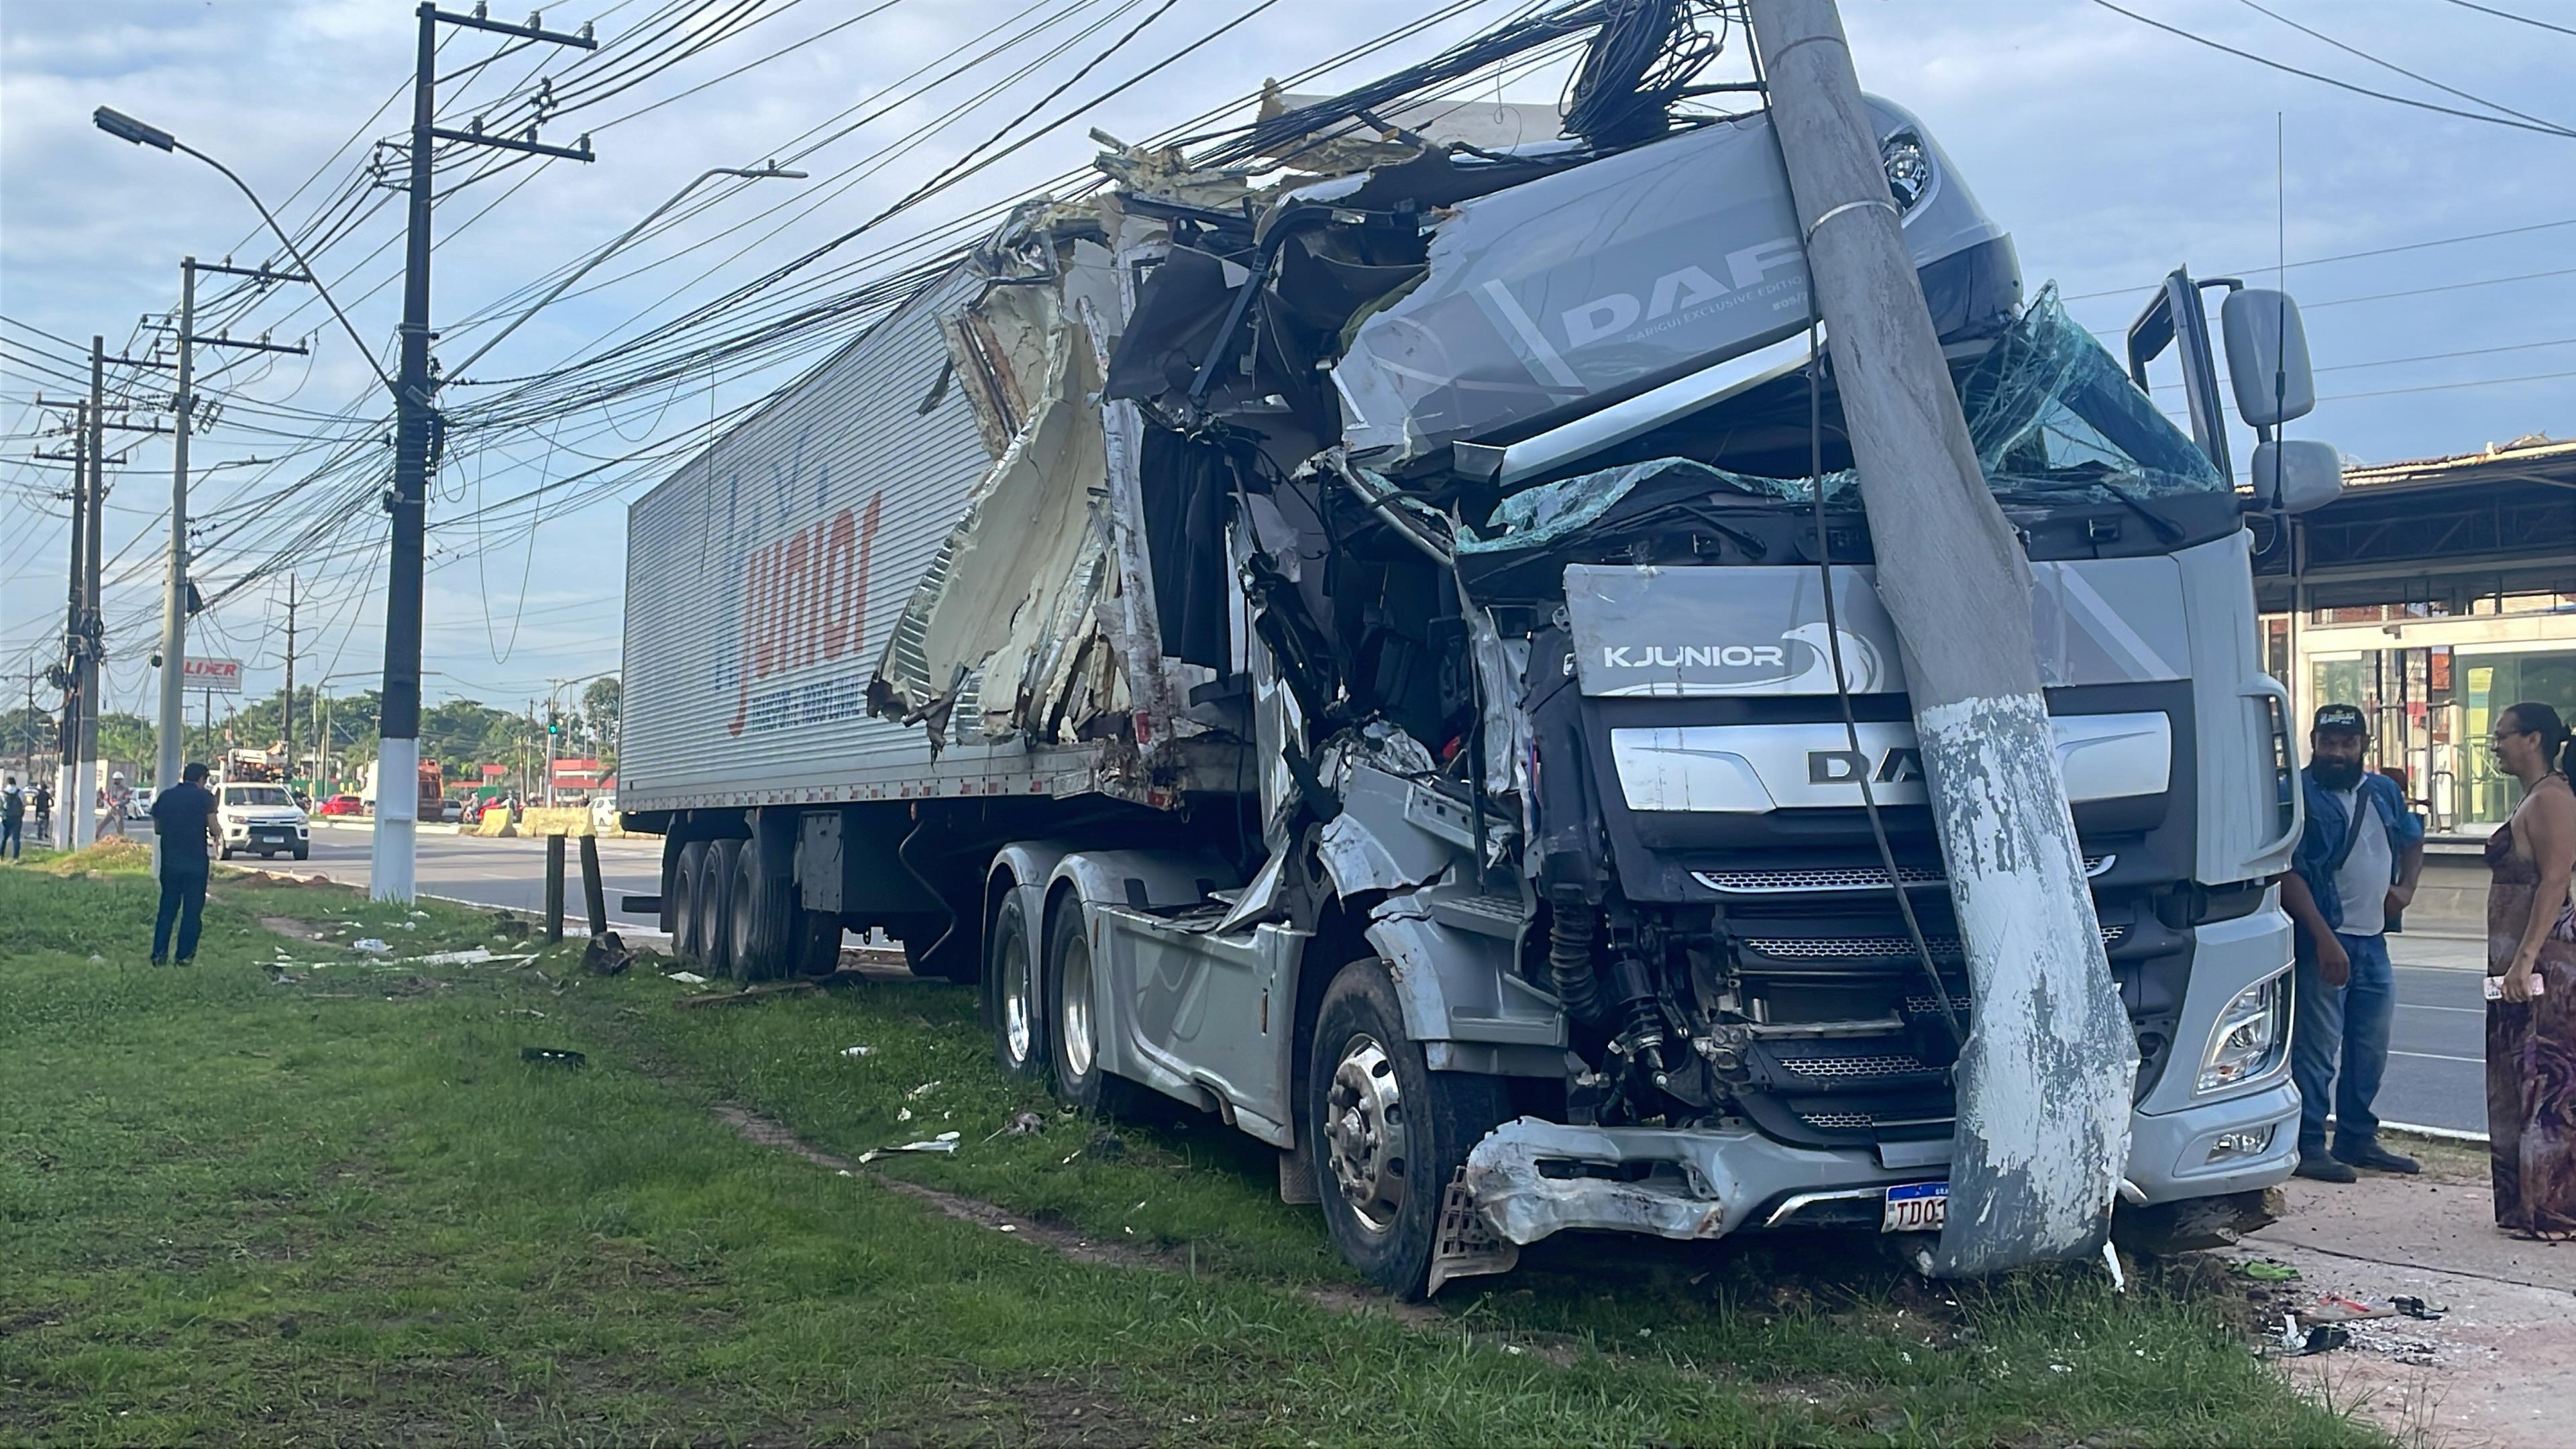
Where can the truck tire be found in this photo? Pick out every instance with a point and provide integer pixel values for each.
(680, 914)
(304, 852)
(1014, 1007)
(1386, 1133)
(767, 929)
(715, 907)
(1073, 1025)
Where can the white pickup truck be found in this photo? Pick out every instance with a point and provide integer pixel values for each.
(262, 818)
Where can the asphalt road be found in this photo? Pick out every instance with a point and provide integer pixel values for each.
(2437, 1049)
(509, 873)
(2436, 1073)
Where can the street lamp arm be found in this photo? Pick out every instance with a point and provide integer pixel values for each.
(293, 251)
(772, 169)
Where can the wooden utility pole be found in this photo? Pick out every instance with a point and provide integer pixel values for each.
(2044, 1081)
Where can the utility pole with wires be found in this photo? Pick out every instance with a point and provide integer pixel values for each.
(66, 675)
(93, 644)
(286, 707)
(2044, 1080)
(391, 876)
(170, 734)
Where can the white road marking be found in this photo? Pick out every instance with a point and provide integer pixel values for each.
(2465, 1010)
(2441, 1057)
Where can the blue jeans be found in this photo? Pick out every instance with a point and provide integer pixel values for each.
(13, 840)
(183, 898)
(2352, 1021)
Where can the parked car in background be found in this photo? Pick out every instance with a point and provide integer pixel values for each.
(603, 812)
(138, 806)
(343, 805)
(451, 811)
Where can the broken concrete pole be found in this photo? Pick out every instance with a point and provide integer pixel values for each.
(2044, 1081)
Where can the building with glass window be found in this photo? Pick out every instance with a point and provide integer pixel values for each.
(2433, 594)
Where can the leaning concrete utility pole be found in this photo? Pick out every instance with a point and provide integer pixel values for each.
(2044, 1081)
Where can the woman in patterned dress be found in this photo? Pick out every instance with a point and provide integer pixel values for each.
(2531, 943)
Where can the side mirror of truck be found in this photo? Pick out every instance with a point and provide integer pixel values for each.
(2294, 477)
(2267, 357)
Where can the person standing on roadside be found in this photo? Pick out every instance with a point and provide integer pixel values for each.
(185, 818)
(13, 820)
(2354, 870)
(2531, 948)
(44, 811)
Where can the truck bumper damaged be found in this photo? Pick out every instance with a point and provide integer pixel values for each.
(2195, 1179)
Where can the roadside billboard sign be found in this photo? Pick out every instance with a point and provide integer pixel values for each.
(224, 676)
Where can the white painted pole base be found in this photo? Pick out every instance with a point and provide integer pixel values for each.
(390, 874)
(2044, 1085)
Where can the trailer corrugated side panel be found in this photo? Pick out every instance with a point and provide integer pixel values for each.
(764, 578)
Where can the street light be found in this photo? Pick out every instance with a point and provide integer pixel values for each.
(174, 602)
(125, 127)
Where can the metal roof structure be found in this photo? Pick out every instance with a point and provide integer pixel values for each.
(2498, 521)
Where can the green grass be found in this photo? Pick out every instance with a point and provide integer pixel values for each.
(328, 1201)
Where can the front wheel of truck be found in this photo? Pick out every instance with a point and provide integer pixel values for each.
(1386, 1133)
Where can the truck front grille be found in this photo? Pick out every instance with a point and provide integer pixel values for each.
(1855, 1068)
(1839, 877)
(1867, 948)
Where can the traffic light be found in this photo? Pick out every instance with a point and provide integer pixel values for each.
(554, 726)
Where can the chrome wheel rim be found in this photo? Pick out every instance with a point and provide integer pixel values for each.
(1365, 1133)
(1018, 1016)
(1076, 968)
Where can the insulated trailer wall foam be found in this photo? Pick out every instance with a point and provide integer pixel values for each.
(764, 578)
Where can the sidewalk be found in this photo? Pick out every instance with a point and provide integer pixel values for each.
(2498, 1369)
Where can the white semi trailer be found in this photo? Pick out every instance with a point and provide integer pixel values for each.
(1331, 629)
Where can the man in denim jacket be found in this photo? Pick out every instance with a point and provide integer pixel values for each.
(2355, 868)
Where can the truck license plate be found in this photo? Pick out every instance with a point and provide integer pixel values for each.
(1922, 1207)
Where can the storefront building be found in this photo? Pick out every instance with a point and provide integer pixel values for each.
(2432, 595)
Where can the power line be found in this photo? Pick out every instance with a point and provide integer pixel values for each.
(2399, 69)
(2509, 15)
(2541, 127)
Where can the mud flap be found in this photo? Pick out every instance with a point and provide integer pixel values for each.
(1466, 1248)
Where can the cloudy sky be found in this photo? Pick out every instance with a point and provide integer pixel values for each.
(2112, 150)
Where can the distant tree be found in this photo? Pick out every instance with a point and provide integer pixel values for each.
(602, 706)
(126, 738)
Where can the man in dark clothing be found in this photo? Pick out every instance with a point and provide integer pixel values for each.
(13, 819)
(44, 811)
(184, 817)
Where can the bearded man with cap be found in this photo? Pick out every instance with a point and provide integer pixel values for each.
(2354, 871)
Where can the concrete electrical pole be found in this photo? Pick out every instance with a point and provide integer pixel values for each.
(84, 829)
(170, 735)
(2044, 1081)
(287, 708)
(67, 727)
(390, 877)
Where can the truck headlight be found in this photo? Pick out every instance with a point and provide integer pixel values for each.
(2251, 1037)
(1908, 163)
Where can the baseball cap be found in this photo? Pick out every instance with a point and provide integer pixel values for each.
(2341, 718)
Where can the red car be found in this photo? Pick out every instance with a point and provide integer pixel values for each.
(343, 805)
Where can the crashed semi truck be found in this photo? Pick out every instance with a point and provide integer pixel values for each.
(1335, 633)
